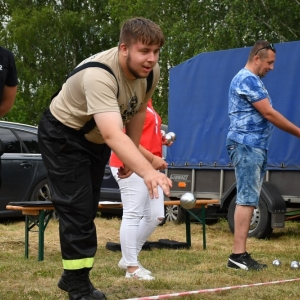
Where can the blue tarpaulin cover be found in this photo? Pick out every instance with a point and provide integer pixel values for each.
(198, 107)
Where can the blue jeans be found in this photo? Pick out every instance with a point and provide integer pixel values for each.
(250, 167)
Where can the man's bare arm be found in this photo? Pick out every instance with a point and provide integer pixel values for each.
(135, 126)
(157, 162)
(8, 99)
(110, 125)
(276, 118)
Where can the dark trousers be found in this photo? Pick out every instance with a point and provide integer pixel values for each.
(75, 170)
(0, 173)
(1, 153)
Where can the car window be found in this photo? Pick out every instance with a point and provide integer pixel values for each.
(11, 143)
(30, 140)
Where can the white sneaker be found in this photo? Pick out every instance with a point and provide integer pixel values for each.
(139, 274)
(122, 266)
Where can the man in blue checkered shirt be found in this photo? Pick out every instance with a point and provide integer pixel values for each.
(251, 123)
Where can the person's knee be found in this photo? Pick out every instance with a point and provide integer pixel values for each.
(154, 220)
(158, 220)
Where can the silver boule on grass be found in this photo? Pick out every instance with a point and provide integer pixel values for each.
(276, 263)
(187, 201)
(294, 264)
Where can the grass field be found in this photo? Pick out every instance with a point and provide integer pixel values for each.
(175, 270)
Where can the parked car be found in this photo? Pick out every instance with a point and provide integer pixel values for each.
(24, 176)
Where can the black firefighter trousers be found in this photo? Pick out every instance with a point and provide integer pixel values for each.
(75, 171)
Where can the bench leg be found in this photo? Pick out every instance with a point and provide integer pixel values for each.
(201, 220)
(26, 235)
(41, 235)
(203, 227)
(188, 228)
(42, 222)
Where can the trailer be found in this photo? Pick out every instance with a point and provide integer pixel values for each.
(198, 114)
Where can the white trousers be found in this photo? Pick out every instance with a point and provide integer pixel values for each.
(141, 215)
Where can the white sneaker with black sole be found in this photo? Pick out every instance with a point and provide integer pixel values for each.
(139, 274)
(122, 266)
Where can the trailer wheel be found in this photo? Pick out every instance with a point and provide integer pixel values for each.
(260, 226)
(171, 213)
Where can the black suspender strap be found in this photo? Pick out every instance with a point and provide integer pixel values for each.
(149, 81)
(92, 64)
(89, 125)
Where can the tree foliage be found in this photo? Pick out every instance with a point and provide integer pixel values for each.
(49, 40)
(50, 37)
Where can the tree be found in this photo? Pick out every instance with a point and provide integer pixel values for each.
(193, 26)
(49, 40)
(49, 37)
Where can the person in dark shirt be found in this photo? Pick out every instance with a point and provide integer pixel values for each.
(8, 81)
(8, 87)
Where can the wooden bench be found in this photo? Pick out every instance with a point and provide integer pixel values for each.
(39, 213)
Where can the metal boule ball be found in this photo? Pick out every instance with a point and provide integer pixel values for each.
(173, 135)
(162, 133)
(294, 264)
(168, 139)
(276, 262)
(187, 201)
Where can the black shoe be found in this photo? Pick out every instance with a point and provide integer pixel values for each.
(245, 262)
(96, 294)
(77, 283)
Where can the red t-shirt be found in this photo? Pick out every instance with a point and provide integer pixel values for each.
(151, 136)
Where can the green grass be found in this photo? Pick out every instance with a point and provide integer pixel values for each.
(175, 270)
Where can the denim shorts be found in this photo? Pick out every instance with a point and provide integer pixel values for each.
(250, 167)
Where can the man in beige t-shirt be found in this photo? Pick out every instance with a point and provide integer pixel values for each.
(76, 156)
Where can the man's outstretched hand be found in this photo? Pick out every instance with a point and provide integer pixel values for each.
(153, 179)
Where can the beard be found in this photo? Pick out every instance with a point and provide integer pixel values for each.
(131, 69)
(262, 74)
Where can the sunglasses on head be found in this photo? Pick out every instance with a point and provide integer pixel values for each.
(271, 47)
